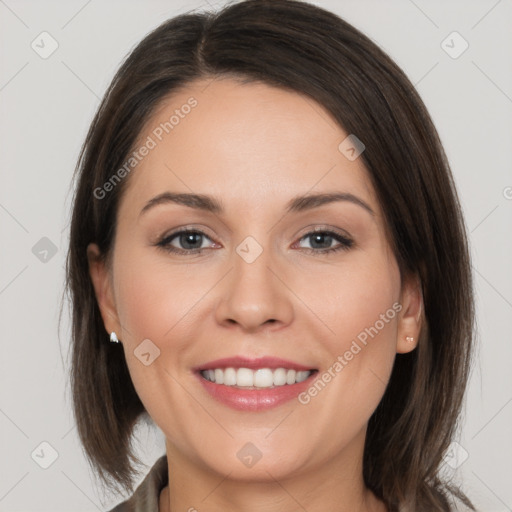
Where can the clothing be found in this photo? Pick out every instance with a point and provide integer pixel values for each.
(146, 496)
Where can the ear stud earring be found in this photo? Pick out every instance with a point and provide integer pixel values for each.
(113, 337)
(410, 339)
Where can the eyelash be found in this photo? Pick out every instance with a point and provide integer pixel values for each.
(345, 242)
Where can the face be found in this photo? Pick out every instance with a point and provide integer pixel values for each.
(309, 294)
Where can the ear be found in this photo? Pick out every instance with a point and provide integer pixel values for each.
(101, 280)
(410, 317)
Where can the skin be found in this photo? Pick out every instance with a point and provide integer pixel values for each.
(254, 147)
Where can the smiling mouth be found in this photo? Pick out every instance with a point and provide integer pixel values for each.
(261, 378)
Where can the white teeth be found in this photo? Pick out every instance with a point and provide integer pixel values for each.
(261, 378)
(229, 377)
(244, 377)
(290, 377)
(301, 376)
(219, 376)
(280, 377)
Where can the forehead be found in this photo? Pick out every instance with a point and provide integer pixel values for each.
(250, 143)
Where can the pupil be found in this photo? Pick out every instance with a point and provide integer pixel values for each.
(188, 237)
(316, 238)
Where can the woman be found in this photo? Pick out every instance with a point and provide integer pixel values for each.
(266, 227)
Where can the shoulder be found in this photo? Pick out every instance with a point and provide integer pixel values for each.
(145, 498)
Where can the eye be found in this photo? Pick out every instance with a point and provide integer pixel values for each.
(324, 239)
(190, 241)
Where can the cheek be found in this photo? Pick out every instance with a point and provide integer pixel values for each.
(354, 298)
(363, 314)
(153, 297)
(155, 301)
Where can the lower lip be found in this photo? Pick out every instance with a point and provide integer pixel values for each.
(255, 399)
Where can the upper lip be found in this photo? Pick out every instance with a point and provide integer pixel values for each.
(254, 364)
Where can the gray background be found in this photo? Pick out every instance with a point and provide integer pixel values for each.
(46, 107)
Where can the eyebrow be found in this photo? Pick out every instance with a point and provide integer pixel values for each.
(213, 205)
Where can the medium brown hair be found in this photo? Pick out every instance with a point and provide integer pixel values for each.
(299, 47)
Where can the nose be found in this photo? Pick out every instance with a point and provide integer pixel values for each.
(254, 295)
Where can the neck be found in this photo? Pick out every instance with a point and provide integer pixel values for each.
(337, 485)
